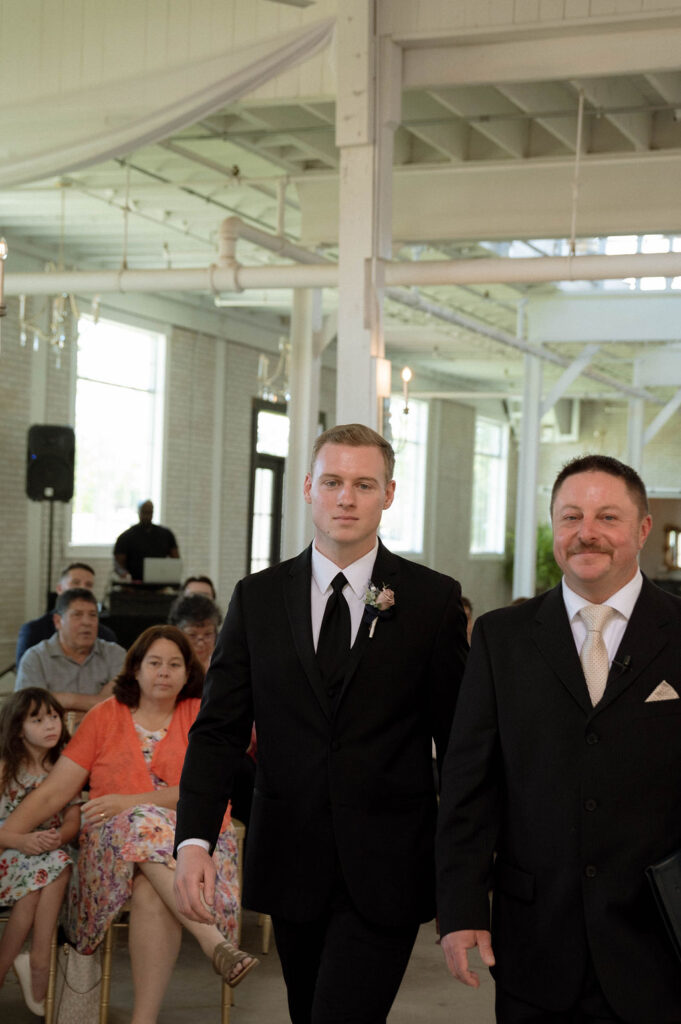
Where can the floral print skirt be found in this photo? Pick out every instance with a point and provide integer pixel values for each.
(21, 874)
(106, 865)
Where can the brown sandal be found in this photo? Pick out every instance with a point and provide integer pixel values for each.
(226, 957)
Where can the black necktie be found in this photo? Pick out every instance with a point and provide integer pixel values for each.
(333, 646)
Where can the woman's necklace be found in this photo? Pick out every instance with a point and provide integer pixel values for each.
(152, 722)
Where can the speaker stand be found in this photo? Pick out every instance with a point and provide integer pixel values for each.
(50, 543)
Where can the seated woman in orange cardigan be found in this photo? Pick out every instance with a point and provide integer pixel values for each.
(131, 747)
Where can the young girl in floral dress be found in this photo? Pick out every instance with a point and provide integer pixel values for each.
(34, 869)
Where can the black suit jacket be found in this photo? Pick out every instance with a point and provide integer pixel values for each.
(351, 786)
(575, 800)
(42, 628)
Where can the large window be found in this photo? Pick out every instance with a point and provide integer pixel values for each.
(268, 460)
(490, 466)
(402, 524)
(119, 428)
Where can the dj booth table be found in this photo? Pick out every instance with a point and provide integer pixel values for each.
(133, 607)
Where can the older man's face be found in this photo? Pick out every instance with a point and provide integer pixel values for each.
(598, 531)
(77, 626)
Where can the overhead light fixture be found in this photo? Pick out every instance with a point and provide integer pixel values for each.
(406, 376)
(294, 3)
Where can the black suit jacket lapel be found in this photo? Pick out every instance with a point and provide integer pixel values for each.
(553, 636)
(385, 571)
(647, 633)
(298, 602)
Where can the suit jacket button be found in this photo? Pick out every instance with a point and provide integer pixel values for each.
(590, 871)
(590, 805)
(591, 738)
(335, 745)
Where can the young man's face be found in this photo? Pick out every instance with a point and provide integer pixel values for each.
(347, 491)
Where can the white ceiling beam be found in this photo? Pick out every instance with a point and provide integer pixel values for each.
(497, 200)
(604, 318)
(668, 84)
(510, 136)
(663, 416)
(537, 99)
(449, 139)
(606, 94)
(543, 59)
(573, 371)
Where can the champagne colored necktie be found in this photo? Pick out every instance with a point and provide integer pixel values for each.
(594, 653)
(333, 646)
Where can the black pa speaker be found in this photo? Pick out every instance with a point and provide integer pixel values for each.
(49, 463)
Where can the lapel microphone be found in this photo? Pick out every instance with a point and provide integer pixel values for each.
(624, 664)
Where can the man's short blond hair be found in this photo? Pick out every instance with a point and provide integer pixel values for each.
(357, 436)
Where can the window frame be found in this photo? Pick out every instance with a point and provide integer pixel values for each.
(103, 550)
(488, 554)
(276, 463)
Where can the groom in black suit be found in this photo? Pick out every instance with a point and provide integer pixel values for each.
(348, 678)
(565, 762)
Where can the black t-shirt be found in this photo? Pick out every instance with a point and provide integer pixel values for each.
(140, 542)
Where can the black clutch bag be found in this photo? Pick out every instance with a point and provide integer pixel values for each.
(665, 881)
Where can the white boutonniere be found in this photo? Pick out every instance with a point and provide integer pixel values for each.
(379, 603)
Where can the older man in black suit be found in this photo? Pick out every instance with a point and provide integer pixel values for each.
(349, 659)
(565, 761)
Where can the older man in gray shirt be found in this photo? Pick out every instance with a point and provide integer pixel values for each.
(76, 666)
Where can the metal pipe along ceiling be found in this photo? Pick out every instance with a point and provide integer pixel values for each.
(233, 277)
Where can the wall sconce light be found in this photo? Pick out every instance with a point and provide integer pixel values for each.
(3, 256)
(406, 376)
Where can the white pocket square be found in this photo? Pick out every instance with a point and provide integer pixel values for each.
(663, 692)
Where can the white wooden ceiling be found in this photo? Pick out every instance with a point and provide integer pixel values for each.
(506, 151)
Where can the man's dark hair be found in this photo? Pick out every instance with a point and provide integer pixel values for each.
(77, 565)
(126, 688)
(604, 464)
(199, 579)
(192, 610)
(67, 597)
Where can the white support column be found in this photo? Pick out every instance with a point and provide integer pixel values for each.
(219, 387)
(525, 557)
(34, 579)
(635, 426)
(367, 113)
(303, 411)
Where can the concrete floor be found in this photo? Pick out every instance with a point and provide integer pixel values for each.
(428, 994)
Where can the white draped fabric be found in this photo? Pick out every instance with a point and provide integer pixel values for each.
(98, 124)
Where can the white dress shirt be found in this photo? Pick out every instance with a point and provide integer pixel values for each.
(358, 575)
(622, 601)
(324, 571)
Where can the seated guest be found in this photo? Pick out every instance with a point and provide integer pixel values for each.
(131, 747)
(74, 664)
(143, 540)
(199, 585)
(78, 574)
(199, 619)
(34, 867)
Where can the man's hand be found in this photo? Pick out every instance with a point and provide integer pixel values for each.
(195, 884)
(456, 946)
